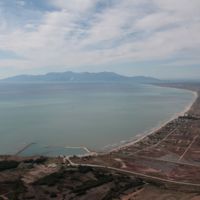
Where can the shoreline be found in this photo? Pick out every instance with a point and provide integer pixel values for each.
(137, 138)
(155, 129)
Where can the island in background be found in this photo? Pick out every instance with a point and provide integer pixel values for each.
(164, 165)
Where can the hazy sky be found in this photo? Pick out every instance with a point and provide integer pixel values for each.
(159, 38)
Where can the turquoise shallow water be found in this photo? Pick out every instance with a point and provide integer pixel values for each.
(82, 114)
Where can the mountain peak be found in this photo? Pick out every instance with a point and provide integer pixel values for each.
(70, 76)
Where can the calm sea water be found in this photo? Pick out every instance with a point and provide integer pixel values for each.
(92, 115)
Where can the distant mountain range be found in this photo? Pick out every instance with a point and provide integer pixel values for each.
(80, 77)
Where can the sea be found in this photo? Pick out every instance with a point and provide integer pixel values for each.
(73, 118)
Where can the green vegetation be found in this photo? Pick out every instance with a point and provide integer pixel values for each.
(40, 160)
(4, 165)
(120, 187)
(51, 179)
(92, 183)
(18, 188)
(84, 169)
(53, 195)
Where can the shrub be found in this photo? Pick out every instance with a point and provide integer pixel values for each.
(4, 165)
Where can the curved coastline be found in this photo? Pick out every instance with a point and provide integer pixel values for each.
(139, 137)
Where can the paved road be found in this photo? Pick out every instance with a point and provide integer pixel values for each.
(137, 174)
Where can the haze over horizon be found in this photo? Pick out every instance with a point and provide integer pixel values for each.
(155, 38)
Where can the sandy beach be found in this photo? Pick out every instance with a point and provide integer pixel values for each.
(142, 136)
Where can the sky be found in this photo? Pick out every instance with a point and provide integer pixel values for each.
(159, 38)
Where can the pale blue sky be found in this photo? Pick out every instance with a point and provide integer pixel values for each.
(133, 37)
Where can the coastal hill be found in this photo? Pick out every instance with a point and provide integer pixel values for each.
(80, 77)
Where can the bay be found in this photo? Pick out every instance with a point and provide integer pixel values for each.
(93, 115)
